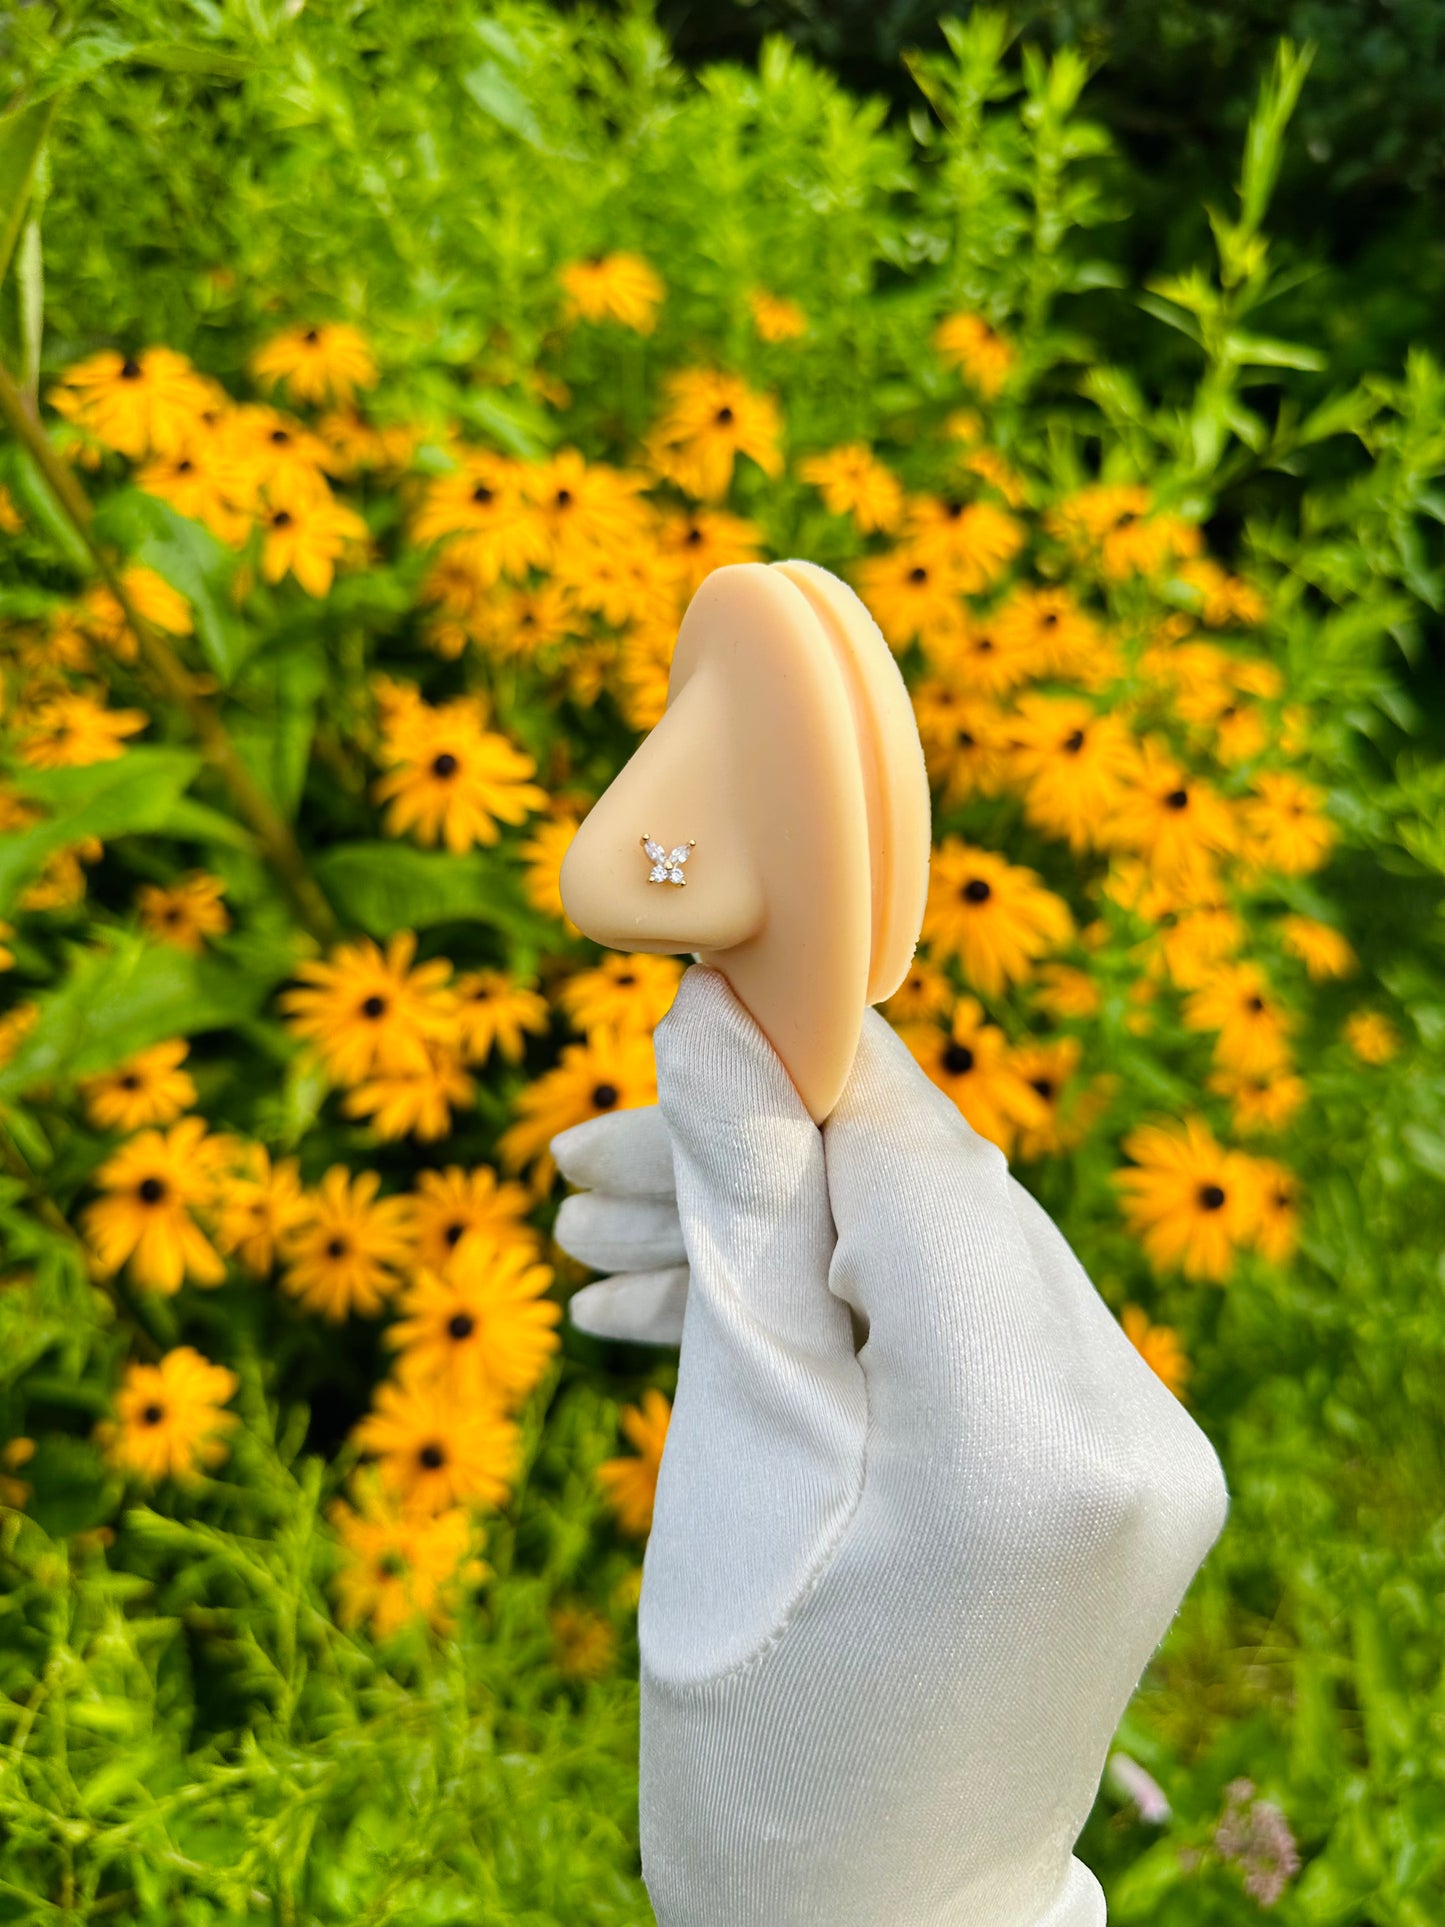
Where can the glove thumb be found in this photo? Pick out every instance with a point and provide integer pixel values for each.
(764, 1452)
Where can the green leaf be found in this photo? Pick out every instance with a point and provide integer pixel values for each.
(272, 717)
(498, 95)
(80, 60)
(134, 792)
(122, 997)
(1262, 351)
(191, 560)
(384, 887)
(22, 135)
(44, 511)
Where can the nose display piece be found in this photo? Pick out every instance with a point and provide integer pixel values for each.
(785, 788)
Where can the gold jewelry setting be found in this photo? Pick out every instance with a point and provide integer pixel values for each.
(666, 864)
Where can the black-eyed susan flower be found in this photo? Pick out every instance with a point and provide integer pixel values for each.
(358, 445)
(435, 1451)
(170, 1418)
(1189, 1201)
(1276, 1234)
(366, 1012)
(455, 1204)
(1253, 1027)
(1158, 1346)
(1224, 599)
(1063, 991)
(148, 1088)
(912, 598)
(972, 1062)
(1051, 1071)
(1120, 526)
(306, 539)
(1371, 1036)
(15, 1026)
(606, 1073)
(584, 1644)
(972, 543)
(542, 853)
(495, 1012)
(853, 482)
(1072, 764)
(1285, 829)
(259, 1203)
(1261, 1102)
(924, 993)
(323, 362)
(414, 1103)
(1171, 817)
(102, 617)
(202, 483)
(710, 420)
(965, 739)
(73, 730)
(621, 993)
(629, 1483)
(996, 918)
(587, 510)
(979, 353)
(1048, 629)
(453, 782)
(775, 317)
(481, 1328)
(970, 657)
(401, 1564)
(185, 913)
(621, 287)
(153, 1185)
(144, 404)
(61, 882)
(483, 505)
(704, 540)
(1324, 951)
(344, 1251)
(528, 625)
(999, 475)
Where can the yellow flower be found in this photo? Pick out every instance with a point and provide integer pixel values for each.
(776, 318)
(586, 510)
(304, 539)
(629, 1484)
(711, 419)
(925, 992)
(359, 445)
(149, 1088)
(995, 917)
(967, 343)
(184, 913)
(73, 731)
(7, 955)
(1063, 991)
(104, 620)
(584, 1646)
(402, 1565)
(415, 1103)
(852, 481)
(543, 854)
(528, 625)
(202, 483)
(15, 1027)
(1264, 1102)
(971, 1062)
(991, 468)
(344, 1250)
(1372, 1038)
(328, 361)
(169, 1417)
(1072, 764)
(1050, 1071)
(1116, 523)
(1048, 629)
(11, 520)
(622, 994)
(434, 1451)
(911, 598)
(453, 1205)
(260, 1204)
(453, 782)
(1158, 1346)
(1253, 1030)
(965, 740)
(495, 1013)
(146, 404)
(1322, 949)
(153, 1183)
(1189, 1201)
(705, 540)
(607, 1073)
(1224, 598)
(1284, 828)
(483, 504)
(371, 1014)
(1176, 821)
(971, 542)
(1277, 1233)
(614, 287)
(483, 1328)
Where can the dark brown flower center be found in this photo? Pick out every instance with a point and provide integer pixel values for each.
(444, 765)
(724, 416)
(1211, 1197)
(461, 1325)
(280, 436)
(626, 977)
(604, 1096)
(1044, 1086)
(130, 1082)
(373, 1007)
(563, 498)
(282, 519)
(1075, 742)
(693, 537)
(151, 1190)
(152, 1414)
(918, 574)
(336, 1247)
(454, 1233)
(1256, 1004)
(957, 1059)
(130, 369)
(311, 336)
(976, 891)
(185, 466)
(481, 494)
(432, 1456)
(1177, 800)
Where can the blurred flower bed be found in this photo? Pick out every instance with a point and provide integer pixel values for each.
(321, 1530)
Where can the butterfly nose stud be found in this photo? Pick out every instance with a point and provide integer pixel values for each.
(666, 864)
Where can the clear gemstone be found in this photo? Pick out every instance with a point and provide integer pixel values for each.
(681, 853)
(654, 850)
(658, 873)
(676, 876)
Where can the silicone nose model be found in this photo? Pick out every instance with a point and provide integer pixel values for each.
(785, 797)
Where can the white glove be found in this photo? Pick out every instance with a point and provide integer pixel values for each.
(895, 1601)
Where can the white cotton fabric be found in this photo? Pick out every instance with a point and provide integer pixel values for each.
(895, 1600)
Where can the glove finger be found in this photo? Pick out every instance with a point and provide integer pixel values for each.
(640, 1308)
(627, 1153)
(764, 1452)
(620, 1234)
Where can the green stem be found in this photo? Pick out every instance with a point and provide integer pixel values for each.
(273, 833)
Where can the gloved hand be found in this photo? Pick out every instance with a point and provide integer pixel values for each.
(895, 1599)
